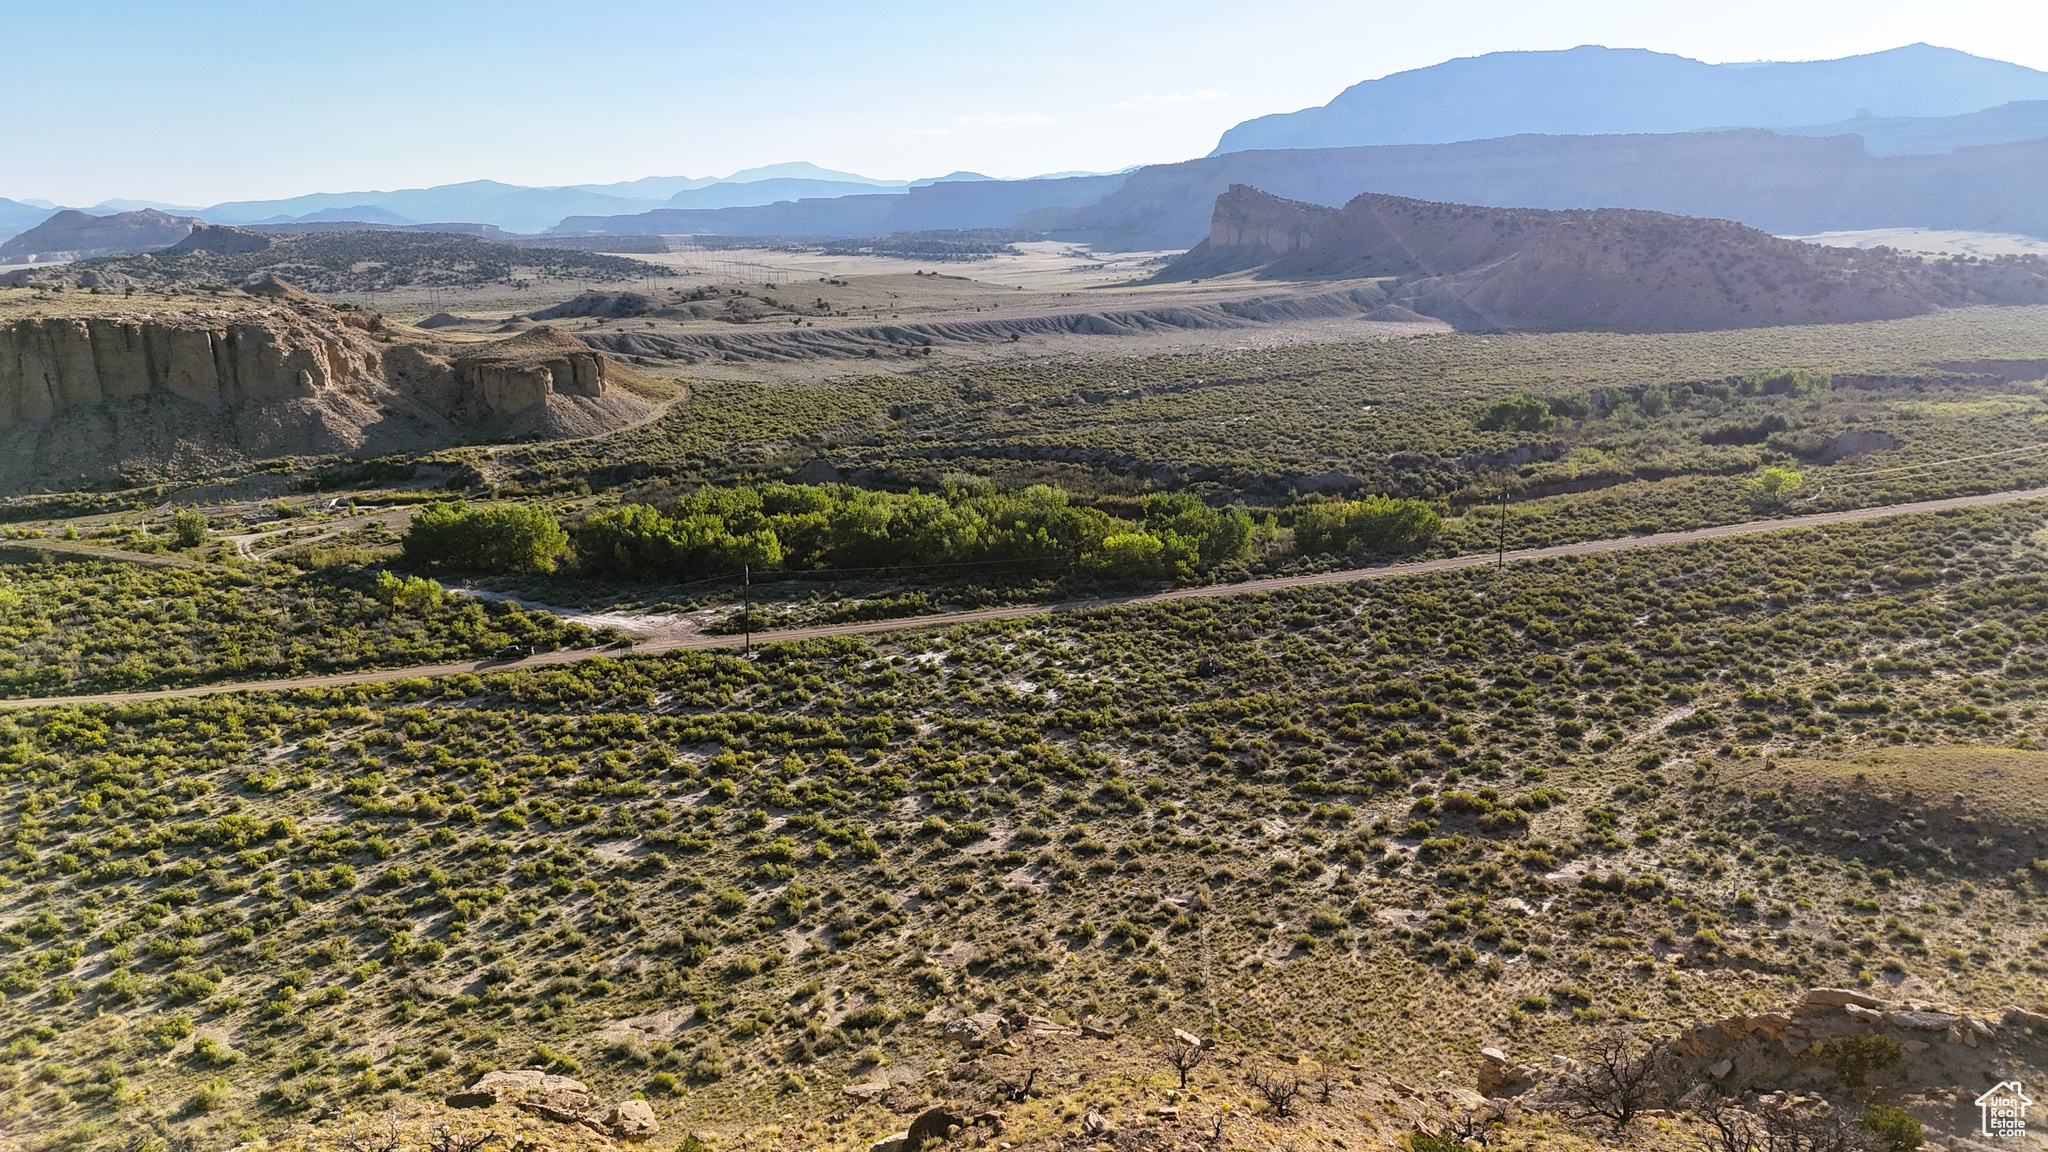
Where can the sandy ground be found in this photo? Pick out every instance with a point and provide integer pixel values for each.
(1046, 278)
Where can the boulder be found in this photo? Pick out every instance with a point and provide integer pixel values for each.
(1721, 1069)
(1190, 1040)
(1500, 1078)
(866, 1093)
(979, 1030)
(1867, 1015)
(529, 1088)
(1464, 1098)
(1095, 1124)
(2021, 1018)
(935, 1124)
(896, 1143)
(1839, 997)
(630, 1120)
(1771, 1025)
(1923, 1021)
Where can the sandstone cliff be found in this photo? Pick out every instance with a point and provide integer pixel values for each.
(176, 388)
(215, 358)
(1482, 267)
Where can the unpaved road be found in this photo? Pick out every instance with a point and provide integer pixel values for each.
(950, 619)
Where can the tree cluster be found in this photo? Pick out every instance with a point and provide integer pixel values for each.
(804, 528)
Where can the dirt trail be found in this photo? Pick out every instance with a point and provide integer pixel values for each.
(953, 619)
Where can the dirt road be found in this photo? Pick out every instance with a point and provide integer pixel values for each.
(951, 619)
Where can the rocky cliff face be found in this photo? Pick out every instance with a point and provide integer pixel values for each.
(1248, 218)
(1479, 267)
(214, 358)
(274, 372)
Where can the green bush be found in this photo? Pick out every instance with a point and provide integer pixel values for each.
(1374, 524)
(188, 529)
(1854, 1058)
(1787, 382)
(1518, 412)
(412, 593)
(1775, 483)
(504, 538)
(1894, 1128)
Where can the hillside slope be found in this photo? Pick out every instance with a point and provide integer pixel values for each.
(349, 258)
(1592, 89)
(1608, 268)
(1791, 185)
(71, 235)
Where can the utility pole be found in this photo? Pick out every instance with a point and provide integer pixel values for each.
(747, 598)
(1502, 556)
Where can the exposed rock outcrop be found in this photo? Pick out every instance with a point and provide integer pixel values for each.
(215, 358)
(560, 1099)
(171, 389)
(220, 240)
(1481, 267)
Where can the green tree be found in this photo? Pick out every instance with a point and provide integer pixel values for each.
(1133, 555)
(188, 528)
(1374, 524)
(505, 538)
(1775, 483)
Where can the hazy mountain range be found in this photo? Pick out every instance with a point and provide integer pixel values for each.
(1917, 136)
(1591, 90)
(515, 208)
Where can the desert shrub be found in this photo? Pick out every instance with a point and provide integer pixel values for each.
(1775, 483)
(1786, 382)
(410, 593)
(1518, 412)
(1856, 1057)
(1894, 1128)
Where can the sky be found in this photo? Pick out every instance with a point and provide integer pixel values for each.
(202, 101)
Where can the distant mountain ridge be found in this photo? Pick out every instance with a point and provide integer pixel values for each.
(1610, 268)
(1594, 90)
(1927, 135)
(951, 204)
(74, 235)
(1791, 185)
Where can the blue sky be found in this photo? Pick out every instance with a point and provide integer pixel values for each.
(210, 100)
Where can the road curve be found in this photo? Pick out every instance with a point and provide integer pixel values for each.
(951, 619)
